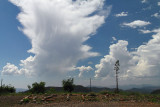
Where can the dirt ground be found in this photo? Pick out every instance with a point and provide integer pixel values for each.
(75, 101)
(92, 104)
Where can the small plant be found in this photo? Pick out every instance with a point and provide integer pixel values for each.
(26, 100)
(92, 94)
(104, 92)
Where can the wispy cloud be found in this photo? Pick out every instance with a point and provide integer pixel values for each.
(145, 31)
(156, 15)
(136, 23)
(149, 31)
(158, 3)
(122, 14)
(114, 38)
(144, 1)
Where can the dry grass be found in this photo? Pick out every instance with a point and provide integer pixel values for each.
(76, 100)
(92, 104)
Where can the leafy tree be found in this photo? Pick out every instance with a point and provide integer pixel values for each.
(29, 87)
(37, 87)
(68, 85)
(7, 89)
(116, 68)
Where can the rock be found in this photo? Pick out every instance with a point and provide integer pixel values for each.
(34, 101)
(21, 101)
(26, 97)
(83, 98)
(43, 99)
(49, 99)
(34, 98)
(68, 97)
(54, 95)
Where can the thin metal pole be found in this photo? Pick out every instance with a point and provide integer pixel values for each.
(90, 85)
(1, 82)
(117, 81)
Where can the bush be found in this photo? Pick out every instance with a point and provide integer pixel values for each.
(26, 100)
(51, 90)
(104, 92)
(7, 89)
(37, 87)
(92, 94)
(68, 85)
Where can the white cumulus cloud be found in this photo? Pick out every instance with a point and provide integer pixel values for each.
(10, 69)
(83, 69)
(57, 30)
(117, 52)
(136, 23)
(158, 3)
(122, 14)
(144, 62)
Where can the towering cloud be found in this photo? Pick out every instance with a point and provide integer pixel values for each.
(117, 52)
(144, 62)
(57, 30)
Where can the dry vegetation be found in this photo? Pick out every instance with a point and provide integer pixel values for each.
(103, 99)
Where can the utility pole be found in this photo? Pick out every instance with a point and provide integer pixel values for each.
(1, 82)
(117, 81)
(116, 68)
(90, 85)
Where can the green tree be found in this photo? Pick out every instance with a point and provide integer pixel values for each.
(116, 68)
(7, 89)
(37, 87)
(68, 85)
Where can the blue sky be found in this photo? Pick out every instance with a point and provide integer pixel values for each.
(81, 40)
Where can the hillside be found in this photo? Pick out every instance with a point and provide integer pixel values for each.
(78, 88)
(148, 89)
(156, 92)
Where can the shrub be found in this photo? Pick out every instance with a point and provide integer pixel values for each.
(104, 92)
(68, 85)
(26, 100)
(92, 94)
(7, 89)
(37, 87)
(51, 90)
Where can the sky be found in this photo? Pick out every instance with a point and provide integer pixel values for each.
(52, 40)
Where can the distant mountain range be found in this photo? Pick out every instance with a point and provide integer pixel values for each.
(79, 88)
(156, 92)
(144, 89)
(20, 90)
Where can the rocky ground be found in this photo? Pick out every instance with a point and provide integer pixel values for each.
(79, 100)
